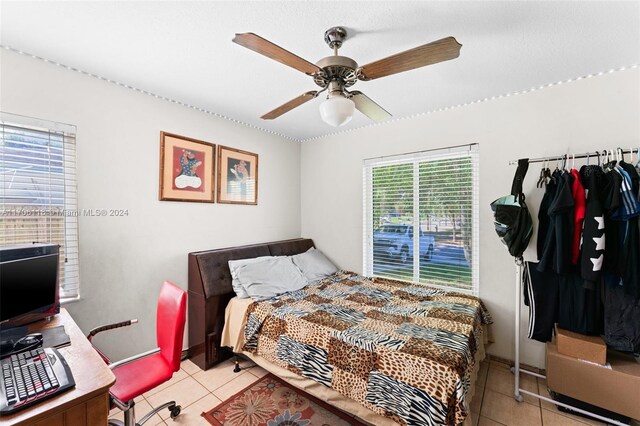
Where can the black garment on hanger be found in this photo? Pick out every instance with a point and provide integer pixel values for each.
(629, 260)
(621, 319)
(543, 216)
(541, 296)
(611, 201)
(581, 304)
(556, 254)
(611, 191)
(593, 233)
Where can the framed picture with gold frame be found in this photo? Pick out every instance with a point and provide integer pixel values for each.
(187, 168)
(237, 176)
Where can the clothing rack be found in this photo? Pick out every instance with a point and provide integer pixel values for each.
(516, 370)
(568, 156)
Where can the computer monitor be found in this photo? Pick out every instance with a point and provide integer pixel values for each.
(28, 283)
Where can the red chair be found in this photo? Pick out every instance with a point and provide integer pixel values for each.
(141, 373)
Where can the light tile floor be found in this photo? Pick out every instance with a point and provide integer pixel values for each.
(493, 404)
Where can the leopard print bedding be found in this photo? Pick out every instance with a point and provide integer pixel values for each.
(404, 351)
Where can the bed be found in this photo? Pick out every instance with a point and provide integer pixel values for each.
(418, 349)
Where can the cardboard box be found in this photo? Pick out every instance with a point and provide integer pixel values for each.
(587, 348)
(616, 389)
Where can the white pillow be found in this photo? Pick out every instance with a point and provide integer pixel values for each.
(314, 264)
(233, 268)
(270, 277)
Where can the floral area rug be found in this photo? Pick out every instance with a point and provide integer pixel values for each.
(272, 402)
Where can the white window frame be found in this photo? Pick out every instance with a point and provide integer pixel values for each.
(472, 151)
(67, 213)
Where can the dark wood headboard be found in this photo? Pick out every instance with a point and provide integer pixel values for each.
(210, 290)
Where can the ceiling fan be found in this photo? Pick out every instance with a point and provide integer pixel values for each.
(334, 74)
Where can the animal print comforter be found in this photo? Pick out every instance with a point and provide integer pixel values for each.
(402, 350)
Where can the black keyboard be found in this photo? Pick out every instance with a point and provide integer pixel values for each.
(31, 376)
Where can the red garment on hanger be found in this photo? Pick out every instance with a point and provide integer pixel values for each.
(579, 200)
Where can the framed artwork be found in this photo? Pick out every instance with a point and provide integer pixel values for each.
(186, 169)
(237, 176)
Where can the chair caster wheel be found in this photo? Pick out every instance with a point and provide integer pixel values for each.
(175, 412)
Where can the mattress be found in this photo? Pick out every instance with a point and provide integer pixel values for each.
(444, 317)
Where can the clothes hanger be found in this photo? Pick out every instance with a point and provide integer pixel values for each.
(542, 177)
(547, 173)
(588, 157)
(573, 161)
(605, 160)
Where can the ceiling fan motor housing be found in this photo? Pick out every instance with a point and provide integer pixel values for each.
(335, 68)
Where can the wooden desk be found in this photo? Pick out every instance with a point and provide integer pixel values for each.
(87, 403)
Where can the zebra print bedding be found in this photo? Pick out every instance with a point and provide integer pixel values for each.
(402, 350)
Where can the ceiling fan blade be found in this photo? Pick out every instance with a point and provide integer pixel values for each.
(275, 52)
(369, 108)
(293, 103)
(427, 54)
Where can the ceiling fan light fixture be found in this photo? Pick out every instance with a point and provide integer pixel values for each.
(337, 110)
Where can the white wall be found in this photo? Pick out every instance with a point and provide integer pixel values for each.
(123, 260)
(586, 115)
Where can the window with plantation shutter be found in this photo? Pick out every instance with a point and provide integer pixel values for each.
(421, 217)
(38, 196)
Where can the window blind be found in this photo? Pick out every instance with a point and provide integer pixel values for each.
(421, 217)
(38, 190)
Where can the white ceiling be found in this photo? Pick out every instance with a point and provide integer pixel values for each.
(183, 50)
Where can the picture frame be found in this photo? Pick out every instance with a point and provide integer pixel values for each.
(237, 176)
(187, 169)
